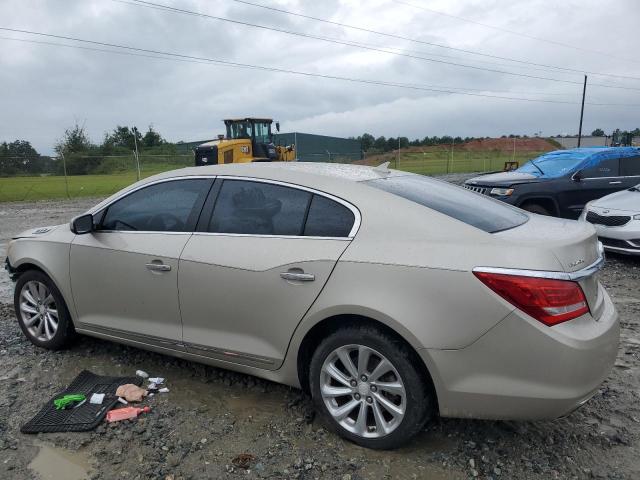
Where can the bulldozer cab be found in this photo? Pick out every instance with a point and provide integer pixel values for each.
(258, 131)
(246, 140)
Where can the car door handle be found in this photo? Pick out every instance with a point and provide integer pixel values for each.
(158, 267)
(298, 276)
(615, 183)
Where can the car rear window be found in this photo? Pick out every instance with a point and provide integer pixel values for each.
(471, 208)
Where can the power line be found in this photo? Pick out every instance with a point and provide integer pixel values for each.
(159, 57)
(401, 37)
(158, 54)
(512, 32)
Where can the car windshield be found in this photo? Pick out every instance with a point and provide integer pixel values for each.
(471, 208)
(553, 164)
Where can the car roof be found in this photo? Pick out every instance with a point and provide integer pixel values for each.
(288, 171)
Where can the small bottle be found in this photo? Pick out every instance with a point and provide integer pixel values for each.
(125, 413)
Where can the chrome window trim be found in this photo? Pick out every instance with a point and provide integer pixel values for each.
(571, 276)
(352, 233)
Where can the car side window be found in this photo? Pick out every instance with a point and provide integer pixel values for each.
(257, 208)
(171, 206)
(630, 166)
(604, 168)
(328, 218)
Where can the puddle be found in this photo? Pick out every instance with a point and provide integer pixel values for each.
(238, 401)
(52, 463)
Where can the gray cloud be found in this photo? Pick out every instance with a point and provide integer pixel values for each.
(47, 88)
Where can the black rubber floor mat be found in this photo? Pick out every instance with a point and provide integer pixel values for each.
(85, 417)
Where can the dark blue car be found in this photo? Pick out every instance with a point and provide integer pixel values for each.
(560, 183)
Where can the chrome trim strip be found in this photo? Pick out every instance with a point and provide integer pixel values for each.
(214, 352)
(300, 237)
(571, 276)
(137, 337)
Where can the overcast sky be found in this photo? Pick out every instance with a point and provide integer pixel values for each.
(46, 88)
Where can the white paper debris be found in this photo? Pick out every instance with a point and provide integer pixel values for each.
(156, 380)
(123, 401)
(164, 390)
(142, 373)
(97, 398)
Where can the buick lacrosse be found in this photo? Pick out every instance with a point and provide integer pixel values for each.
(388, 296)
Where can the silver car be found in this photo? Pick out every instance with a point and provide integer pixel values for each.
(617, 220)
(386, 295)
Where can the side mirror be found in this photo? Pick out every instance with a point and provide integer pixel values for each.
(576, 177)
(277, 126)
(82, 224)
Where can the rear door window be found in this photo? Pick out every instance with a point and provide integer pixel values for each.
(328, 218)
(608, 167)
(257, 208)
(630, 166)
(471, 208)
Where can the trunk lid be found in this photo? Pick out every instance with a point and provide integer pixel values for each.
(574, 244)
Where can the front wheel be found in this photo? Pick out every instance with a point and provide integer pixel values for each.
(366, 385)
(41, 311)
(535, 208)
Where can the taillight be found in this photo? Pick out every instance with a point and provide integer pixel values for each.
(547, 300)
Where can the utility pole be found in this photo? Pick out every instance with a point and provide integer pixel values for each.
(584, 91)
(135, 141)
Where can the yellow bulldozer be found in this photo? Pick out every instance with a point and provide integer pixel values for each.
(247, 140)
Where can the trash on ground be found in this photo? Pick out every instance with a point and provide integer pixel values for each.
(123, 401)
(125, 413)
(97, 398)
(152, 386)
(243, 460)
(156, 380)
(142, 374)
(131, 392)
(69, 401)
(82, 417)
(164, 390)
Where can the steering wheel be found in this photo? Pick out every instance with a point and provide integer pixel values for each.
(167, 221)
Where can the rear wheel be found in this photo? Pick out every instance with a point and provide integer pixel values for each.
(41, 311)
(367, 388)
(535, 208)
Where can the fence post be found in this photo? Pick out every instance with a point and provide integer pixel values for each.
(64, 169)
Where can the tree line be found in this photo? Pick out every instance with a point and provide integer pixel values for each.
(82, 156)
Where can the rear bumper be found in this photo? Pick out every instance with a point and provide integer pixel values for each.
(523, 370)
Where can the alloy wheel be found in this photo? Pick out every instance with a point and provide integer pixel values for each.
(38, 310)
(363, 391)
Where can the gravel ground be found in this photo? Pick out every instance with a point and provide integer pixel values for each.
(211, 415)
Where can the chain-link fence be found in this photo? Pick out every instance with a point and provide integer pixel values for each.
(79, 175)
(100, 176)
(448, 160)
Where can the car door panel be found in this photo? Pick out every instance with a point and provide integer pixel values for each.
(114, 289)
(235, 303)
(125, 273)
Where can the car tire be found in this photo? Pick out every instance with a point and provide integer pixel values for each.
(41, 311)
(535, 208)
(391, 415)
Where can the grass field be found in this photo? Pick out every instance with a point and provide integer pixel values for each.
(434, 162)
(14, 189)
(427, 162)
